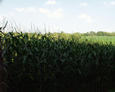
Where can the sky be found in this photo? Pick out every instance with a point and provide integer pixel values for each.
(69, 16)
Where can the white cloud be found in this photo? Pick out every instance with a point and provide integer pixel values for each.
(19, 9)
(86, 18)
(84, 4)
(27, 10)
(111, 3)
(58, 13)
(50, 2)
(44, 10)
(105, 3)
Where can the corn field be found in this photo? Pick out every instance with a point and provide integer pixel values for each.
(57, 63)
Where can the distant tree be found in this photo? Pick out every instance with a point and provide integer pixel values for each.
(85, 34)
(92, 33)
(100, 33)
(113, 34)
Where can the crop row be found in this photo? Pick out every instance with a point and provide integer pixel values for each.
(48, 62)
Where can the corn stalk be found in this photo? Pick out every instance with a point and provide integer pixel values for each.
(3, 72)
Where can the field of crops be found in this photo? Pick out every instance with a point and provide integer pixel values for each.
(58, 62)
(102, 39)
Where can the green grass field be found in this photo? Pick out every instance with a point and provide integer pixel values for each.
(104, 39)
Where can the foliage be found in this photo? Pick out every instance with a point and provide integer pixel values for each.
(99, 39)
(99, 33)
(57, 63)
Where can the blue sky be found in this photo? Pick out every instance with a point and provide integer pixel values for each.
(61, 15)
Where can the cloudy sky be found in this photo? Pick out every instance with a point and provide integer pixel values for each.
(61, 15)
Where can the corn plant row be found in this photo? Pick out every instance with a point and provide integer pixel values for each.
(57, 63)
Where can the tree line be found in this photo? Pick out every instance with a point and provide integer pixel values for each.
(99, 33)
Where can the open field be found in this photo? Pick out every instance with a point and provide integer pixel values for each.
(104, 39)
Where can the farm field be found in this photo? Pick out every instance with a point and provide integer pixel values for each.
(57, 46)
(58, 61)
(100, 39)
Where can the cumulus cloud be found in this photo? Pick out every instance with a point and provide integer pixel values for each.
(86, 18)
(84, 4)
(58, 13)
(50, 2)
(111, 3)
(27, 10)
(44, 10)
